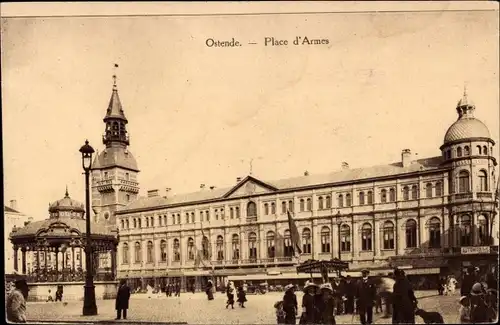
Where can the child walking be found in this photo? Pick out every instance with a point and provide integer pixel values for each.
(280, 313)
(464, 310)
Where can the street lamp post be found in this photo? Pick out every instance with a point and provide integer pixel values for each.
(339, 222)
(89, 303)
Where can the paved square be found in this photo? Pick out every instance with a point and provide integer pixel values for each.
(196, 309)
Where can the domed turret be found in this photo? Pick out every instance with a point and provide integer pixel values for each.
(66, 207)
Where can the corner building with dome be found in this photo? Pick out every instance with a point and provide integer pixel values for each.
(432, 216)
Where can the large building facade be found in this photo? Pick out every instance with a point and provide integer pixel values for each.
(429, 215)
(12, 219)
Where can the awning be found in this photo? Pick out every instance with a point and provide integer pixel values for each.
(197, 273)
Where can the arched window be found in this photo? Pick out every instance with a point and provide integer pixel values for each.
(325, 240)
(485, 150)
(434, 233)
(159, 220)
(345, 238)
(127, 176)
(270, 244)
(328, 202)
(482, 230)
(459, 152)
(137, 252)
(366, 237)
(150, 252)
(370, 197)
(173, 219)
(348, 201)
(122, 224)
(163, 250)
(135, 223)
(231, 213)
(414, 192)
(219, 245)
(283, 207)
(187, 217)
(216, 211)
(392, 195)
(306, 241)
(152, 222)
(479, 151)
(192, 216)
(290, 206)
(178, 218)
(177, 254)
(340, 201)
(251, 209)
(406, 193)
(465, 231)
(237, 210)
(125, 253)
(439, 189)
(190, 248)
(273, 208)
(388, 231)
(308, 205)
(302, 205)
(235, 241)
(483, 181)
(463, 182)
(205, 246)
(383, 196)
(428, 190)
(252, 246)
(320, 203)
(287, 244)
(411, 233)
(448, 153)
(361, 198)
(466, 151)
(127, 224)
(266, 209)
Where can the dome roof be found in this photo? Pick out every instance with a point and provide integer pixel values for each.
(115, 157)
(66, 204)
(466, 128)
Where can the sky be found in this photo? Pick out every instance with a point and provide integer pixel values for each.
(385, 82)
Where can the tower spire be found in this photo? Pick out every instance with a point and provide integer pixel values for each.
(66, 194)
(116, 131)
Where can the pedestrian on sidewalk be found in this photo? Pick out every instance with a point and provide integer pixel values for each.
(230, 295)
(122, 299)
(242, 297)
(16, 302)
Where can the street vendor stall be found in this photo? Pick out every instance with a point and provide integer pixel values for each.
(323, 267)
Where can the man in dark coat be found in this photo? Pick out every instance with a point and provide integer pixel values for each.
(122, 298)
(350, 292)
(404, 301)
(365, 298)
(467, 282)
(177, 289)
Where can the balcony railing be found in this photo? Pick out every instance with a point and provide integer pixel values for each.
(484, 195)
(463, 196)
(129, 183)
(105, 182)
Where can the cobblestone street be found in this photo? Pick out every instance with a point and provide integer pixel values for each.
(195, 309)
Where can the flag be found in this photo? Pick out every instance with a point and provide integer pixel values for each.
(294, 232)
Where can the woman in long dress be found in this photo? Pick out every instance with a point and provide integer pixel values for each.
(209, 290)
(230, 295)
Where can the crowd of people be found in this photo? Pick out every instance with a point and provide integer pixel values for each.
(321, 303)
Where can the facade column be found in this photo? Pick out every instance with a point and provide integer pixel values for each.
(57, 263)
(113, 262)
(81, 258)
(73, 258)
(23, 257)
(16, 267)
(45, 253)
(37, 264)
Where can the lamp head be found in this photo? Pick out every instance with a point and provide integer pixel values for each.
(87, 152)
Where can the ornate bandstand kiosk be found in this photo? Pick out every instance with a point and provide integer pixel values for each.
(53, 253)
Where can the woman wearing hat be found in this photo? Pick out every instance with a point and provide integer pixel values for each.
(479, 309)
(309, 310)
(290, 306)
(209, 290)
(326, 305)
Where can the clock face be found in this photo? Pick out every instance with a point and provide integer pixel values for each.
(250, 188)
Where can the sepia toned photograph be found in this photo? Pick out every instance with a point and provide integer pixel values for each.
(251, 163)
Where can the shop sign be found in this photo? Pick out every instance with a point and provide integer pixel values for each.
(475, 250)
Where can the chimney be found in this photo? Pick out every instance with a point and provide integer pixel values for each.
(238, 179)
(13, 204)
(306, 173)
(345, 165)
(406, 157)
(212, 187)
(152, 193)
(202, 186)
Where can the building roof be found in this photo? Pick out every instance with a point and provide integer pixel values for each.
(115, 157)
(66, 204)
(10, 210)
(466, 128)
(115, 109)
(334, 178)
(61, 227)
